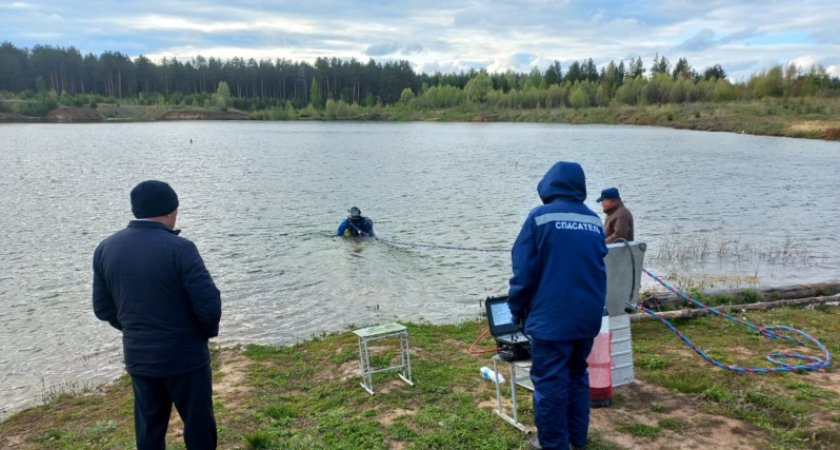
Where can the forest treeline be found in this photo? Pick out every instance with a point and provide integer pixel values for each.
(53, 75)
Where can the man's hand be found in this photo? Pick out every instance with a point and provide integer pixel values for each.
(520, 323)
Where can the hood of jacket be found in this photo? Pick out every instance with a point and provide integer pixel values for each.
(565, 180)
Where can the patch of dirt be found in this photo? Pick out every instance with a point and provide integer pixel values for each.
(814, 125)
(388, 417)
(705, 430)
(14, 117)
(10, 442)
(230, 385)
(349, 370)
(390, 386)
(203, 115)
(828, 380)
(74, 115)
(642, 403)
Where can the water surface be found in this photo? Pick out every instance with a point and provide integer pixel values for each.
(262, 200)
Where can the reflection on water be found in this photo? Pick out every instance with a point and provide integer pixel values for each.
(262, 200)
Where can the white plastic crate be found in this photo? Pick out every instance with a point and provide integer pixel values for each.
(622, 350)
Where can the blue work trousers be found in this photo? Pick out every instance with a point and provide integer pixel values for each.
(192, 394)
(561, 392)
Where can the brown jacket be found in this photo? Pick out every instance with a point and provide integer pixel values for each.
(618, 224)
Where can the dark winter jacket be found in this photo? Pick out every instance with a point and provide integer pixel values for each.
(618, 224)
(559, 278)
(355, 226)
(153, 285)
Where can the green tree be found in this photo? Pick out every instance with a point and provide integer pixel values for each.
(222, 96)
(658, 88)
(637, 68)
(478, 87)
(660, 65)
(579, 97)
(767, 84)
(406, 96)
(715, 72)
(575, 73)
(682, 70)
(315, 95)
(553, 75)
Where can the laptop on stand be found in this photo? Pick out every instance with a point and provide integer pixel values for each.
(512, 344)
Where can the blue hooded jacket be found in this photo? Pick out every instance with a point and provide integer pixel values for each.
(559, 281)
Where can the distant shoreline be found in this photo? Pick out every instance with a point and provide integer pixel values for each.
(814, 120)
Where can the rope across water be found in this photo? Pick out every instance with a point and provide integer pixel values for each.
(779, 360)
(439, 247)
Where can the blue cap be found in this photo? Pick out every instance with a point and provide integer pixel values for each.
(608, 193)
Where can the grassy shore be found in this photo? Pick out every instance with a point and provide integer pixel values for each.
(308, 396)
(801, 118)
(815, 118)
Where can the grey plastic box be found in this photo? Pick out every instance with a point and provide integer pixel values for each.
(624, 272)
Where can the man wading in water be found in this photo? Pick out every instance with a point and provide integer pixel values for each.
(355, 224)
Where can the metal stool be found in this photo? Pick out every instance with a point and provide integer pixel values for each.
(376, 333)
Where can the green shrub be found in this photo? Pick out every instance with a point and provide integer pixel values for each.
(260, 440)
(37, 108)
(652, 363)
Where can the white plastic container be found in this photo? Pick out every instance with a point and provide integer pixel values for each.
(491, 375)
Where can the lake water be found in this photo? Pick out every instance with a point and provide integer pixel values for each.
(262, 202)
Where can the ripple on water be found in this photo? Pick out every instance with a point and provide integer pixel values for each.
(262, 200)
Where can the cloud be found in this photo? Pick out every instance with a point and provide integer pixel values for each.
(382, 49)
(16, 5)
(438, 35)
(411, 49)
(703, 40)
(392, 48)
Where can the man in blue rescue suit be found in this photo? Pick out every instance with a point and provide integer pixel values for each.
(558, 290)
(153, 286)
(355, 224)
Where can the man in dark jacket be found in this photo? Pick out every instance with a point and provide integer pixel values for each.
(619, 221)
(153, 286)
(558, 290)
(355, 224)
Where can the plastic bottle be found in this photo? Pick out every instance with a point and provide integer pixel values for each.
(491, 375)
(600, 366)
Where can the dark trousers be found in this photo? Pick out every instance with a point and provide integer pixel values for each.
(192, 394)
(561, 392)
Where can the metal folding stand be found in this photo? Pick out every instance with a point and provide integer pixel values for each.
(522, 378)
(377, 333)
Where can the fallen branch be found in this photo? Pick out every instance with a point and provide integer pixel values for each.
(668, 299)
(690, 313)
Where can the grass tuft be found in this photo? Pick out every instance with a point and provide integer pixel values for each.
(640, 429)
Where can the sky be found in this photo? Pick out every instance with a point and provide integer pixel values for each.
(744, 37)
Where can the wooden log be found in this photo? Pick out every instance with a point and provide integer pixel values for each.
(690, 313)
(669, 299)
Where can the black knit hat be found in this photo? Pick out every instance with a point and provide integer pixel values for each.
(153, 198)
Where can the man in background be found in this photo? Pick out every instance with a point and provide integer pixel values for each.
(558, 289)
(619, 222)
(153, 286)
(355, 224)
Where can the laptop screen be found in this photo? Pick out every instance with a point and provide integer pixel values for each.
(501, 314)
(499, 317)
